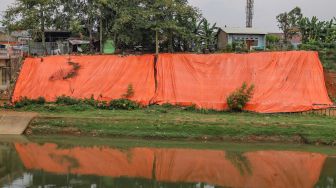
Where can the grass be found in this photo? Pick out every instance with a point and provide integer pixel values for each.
(177, 123)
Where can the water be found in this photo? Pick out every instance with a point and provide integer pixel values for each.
(97, 163)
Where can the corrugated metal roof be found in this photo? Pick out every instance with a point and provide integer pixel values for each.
(239, 30)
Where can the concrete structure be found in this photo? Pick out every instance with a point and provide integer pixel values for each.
(253, 38)
(14, 123)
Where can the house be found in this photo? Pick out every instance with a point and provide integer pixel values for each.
(253, 38)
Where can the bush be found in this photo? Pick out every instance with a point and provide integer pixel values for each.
(64, 100)
(24, 101)
(123, 104)
(91, 102)
(168, 105)
(238, 99)
(191, 108)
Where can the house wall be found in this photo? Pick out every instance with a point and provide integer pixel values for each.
(261, 39)
(222, 40)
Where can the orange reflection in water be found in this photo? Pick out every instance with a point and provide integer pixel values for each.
(251, 169)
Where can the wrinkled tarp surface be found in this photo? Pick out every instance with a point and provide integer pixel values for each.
(284, 81)
(280, 169)
(105, 77)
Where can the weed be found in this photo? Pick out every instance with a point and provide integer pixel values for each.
(238, 99)
(24, 101)
(123, 104)
(64, 100)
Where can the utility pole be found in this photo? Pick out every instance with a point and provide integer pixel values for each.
(249, 13)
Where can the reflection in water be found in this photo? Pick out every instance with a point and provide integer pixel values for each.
(49, 165)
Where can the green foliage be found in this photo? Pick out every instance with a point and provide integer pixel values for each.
(128, 23)
(273, 42)
(288, 23)
(315, 30)
(327, 52)
(24, 101)
(207, 34)
(238, 99)
(129, 92)
(123, 104)
(65, 100)
(191, 108)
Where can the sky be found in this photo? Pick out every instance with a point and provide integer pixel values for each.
(232, 12)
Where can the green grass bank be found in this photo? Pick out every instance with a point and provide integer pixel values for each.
(174, 123)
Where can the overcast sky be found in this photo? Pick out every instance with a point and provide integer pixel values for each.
(232, 12)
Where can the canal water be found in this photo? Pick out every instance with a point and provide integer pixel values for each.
(44, 162)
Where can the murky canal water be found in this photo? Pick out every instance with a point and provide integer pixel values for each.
(100, 163)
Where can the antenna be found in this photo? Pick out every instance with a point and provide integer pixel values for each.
(249, 12)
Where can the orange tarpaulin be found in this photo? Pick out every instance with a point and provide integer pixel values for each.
(284, 81)
(104, 77)
(137, 162)
(280, 169)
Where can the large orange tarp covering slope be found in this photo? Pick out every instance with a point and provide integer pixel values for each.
(280, 169)
(104, 77)
(284, 81)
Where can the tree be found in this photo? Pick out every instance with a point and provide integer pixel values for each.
(315, 30)
(207, 33)
(148, 23)
(288, 23)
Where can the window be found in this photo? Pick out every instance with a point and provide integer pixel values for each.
(255, 43)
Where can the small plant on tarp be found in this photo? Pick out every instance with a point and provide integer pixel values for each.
(129, 92)
(74, 71)
(239, 98)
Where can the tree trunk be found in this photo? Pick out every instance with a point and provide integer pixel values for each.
(171, 45)
(156, 42)
(43, 30)
(101, 34)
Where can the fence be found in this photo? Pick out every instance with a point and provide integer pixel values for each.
(51, 48)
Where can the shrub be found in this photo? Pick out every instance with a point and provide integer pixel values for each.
(191, 108)
(64, 100)
(40, 100)
(123, 104)
(167, 105)
(91, 102)
(129, 92)
(24, 101)
(239, 98)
